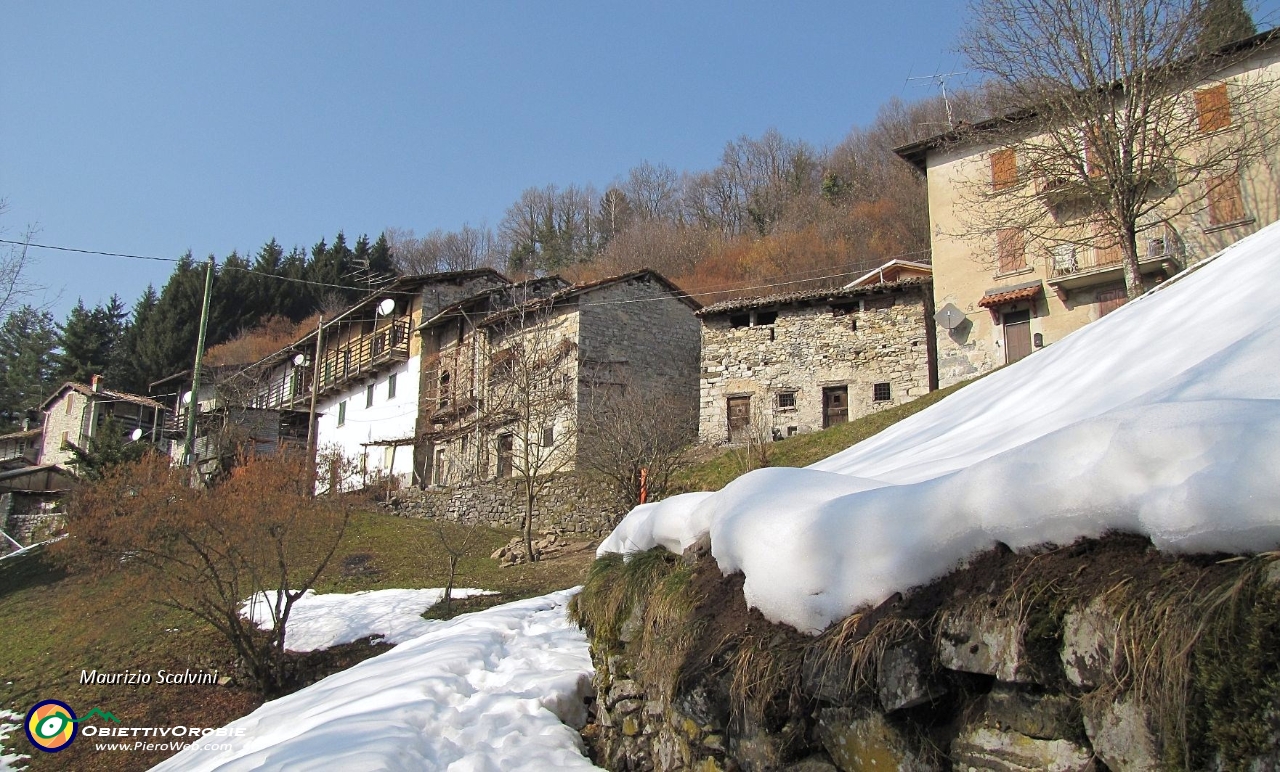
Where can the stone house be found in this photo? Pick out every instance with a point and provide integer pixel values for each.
(510, 374)
(365, 381)
(76, 413)
(781, 365)
(1003, 292)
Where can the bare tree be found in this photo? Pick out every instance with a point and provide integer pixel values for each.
(531, 400)
(1114, 131)
(455, 546)
(237, 556)
(633, 441)
(14, 263)
(465, 249)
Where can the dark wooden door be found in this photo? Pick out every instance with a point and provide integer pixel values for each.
(739, 418)
(506, 450)
(835, 405)
(1017, 335)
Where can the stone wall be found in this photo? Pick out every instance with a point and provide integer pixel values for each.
(569, 505)
(29, 517)
(1015, 662)
(856, 342)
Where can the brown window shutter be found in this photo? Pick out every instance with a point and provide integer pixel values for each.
(1225, 202)
(1106, 246)
(1012, 249)
(1213, 108)
(1004, 169)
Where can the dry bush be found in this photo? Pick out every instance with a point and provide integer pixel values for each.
(207, 551)
(269, 336)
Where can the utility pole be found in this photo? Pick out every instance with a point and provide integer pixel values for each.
(188, 454)
(311, 416)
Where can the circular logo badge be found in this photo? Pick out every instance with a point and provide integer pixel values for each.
(51, 725)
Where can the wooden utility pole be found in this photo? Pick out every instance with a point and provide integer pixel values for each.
(188, 453)
(315, 392)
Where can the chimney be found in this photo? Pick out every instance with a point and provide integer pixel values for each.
(96, 384)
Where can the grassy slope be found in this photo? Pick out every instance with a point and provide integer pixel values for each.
(803, 449)
(53, 624)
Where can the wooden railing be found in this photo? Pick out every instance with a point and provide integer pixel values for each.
(359, 356)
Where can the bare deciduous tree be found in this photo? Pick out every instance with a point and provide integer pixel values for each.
(1109, 135)
(530, 401)
(634, 441)
(257, 537)
(14, 262)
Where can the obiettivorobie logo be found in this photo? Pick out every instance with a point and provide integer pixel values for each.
(51, 725)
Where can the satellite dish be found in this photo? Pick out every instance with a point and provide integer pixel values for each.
(949, 317)
(136, 435)
(386, 307)
(299, 359)
(186, 398)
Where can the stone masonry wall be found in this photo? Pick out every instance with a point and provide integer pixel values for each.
(637, 330)
(568, 506)
(808, 348)
(29, 517)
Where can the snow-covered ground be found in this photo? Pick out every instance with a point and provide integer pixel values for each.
(322, 621)
(1163, 418)
(10, 725)
(500, 689)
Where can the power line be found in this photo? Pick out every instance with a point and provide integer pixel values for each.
(178, 260)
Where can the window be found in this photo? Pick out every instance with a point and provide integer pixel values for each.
(342, 412)
(1011, 248)
(368, 396)
(1213, 109)
(739, 320)
(1004, 169)
(548, 436)
(881, 392)
(786, 400)
(766, 317)
(1225, 202)
(391, 386)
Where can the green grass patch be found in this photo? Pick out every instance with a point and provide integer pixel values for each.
(803, 449)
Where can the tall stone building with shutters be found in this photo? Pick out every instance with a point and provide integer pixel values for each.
(777, 366)
(1002, 294)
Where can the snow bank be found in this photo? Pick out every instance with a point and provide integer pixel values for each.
(10, 723)
(322, 621)
(485, 691)
(1162, 418)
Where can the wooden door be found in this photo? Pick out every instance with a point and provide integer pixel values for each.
(1017, 335)
(835, 405)
(739, 418)
(506, 452)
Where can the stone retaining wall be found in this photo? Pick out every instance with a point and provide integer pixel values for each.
(29, 517)
(569, 505)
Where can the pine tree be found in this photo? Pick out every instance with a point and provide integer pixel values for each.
(381, 261)
(88, 339)
(134, 363)
(1223, 22)
(27, 340)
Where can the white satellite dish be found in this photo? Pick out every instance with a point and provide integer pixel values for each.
(136, 435)
(299, 359)
(186, 398)
(386, 307)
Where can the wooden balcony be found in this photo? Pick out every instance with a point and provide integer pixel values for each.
(364, 356)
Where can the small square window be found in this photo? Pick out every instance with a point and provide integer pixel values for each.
(881, 392)
(766, 317)
(786, 399)
(368, 396)
(391, 386)
(342, 412)
(739, 320)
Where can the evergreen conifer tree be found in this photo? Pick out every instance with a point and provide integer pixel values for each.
(88, 339)
(27, 341)
(1222, 22)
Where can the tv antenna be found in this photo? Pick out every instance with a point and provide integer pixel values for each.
(941, 79)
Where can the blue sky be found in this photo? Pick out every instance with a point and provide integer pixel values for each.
(154, 128)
